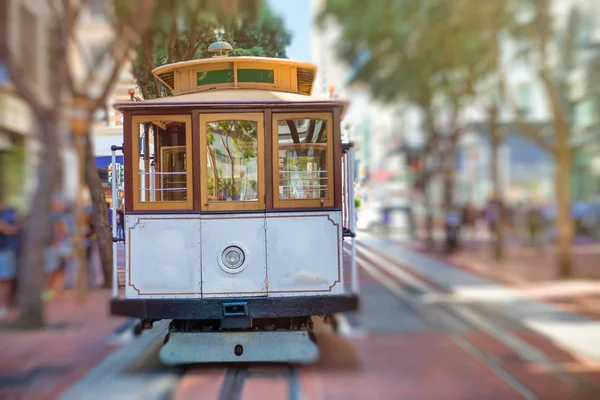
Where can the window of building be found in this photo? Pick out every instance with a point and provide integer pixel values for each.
(303, 160)
(232, 158)
(162, 162)
(584, 115)
(524, 97)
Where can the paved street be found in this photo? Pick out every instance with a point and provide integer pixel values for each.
(425, 331)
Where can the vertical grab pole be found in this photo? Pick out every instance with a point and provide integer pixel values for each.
(352, 216)
(115, 275)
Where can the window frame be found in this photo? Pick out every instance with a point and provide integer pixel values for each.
(207, 206)
(188, 204)
(300, 203)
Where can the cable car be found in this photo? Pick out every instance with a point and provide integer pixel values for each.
(238, 199)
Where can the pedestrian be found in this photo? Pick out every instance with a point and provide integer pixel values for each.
(453, 222)
(54, 255)
(386, 221)
(8, 261)
(535, 225)
(120, 223)
(110, 211)
(469, 220)
(95, 276)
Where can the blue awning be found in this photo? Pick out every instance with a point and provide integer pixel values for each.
(104, 161)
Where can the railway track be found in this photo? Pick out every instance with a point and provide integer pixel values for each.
(236, 376)
(454, 319)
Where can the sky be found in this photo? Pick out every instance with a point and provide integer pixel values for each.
(296, 16)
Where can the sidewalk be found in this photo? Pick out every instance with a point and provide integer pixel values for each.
(532, 271)
(572, 331)
(42, 364)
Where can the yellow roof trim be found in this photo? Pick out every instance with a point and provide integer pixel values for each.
(270, 60)
(288, 75)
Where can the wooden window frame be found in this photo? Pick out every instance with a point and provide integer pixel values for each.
(257, 117)
(303, 203)
(188, 204)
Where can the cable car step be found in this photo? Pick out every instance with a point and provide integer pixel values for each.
(251, 346)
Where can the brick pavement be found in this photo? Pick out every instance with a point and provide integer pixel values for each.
(42, 364)
(533, 271)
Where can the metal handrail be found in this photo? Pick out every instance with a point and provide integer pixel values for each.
(115, 274)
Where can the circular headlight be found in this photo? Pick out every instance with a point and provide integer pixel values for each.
(233, 257)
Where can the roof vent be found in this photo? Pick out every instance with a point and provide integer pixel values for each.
(220, 49)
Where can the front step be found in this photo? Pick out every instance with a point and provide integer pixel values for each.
(250, 346)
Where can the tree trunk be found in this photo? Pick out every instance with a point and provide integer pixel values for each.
(100, 213)
(38, 233)
(428, 214)
(564, 222)
(498, 243)
(448, 177)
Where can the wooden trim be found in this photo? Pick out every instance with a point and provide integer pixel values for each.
(160, 205)
(196, 160)
(268, 160)
(337, 157)
(232, 106)
(128, 161)
(298, 203)
(232, 205)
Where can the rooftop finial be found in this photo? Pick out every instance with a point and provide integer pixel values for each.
(220, 48)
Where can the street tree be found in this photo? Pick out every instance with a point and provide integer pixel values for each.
(72, 106)
(130, 20)
(491, 20)
(423, 53)
(182, 33)
(539, 35)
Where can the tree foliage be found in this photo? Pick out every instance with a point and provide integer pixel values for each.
(185, 32)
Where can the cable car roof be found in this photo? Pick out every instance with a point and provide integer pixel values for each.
(234, 97)
(223, 72)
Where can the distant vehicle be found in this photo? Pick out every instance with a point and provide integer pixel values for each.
(237, 208)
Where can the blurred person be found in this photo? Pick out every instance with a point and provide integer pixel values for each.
(56, 254)
(8, 261)
(67, 248)
(120, 222)
(453, 224)
(492, 213)
(469, 220)
(95, 275)
(412, 224)
(110, 214)
(535, 225)
(19, 240)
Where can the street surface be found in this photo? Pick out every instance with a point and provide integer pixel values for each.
(424, 331)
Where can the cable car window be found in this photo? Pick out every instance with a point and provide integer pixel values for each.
(232, 165)
(304, 160)
(163, 160)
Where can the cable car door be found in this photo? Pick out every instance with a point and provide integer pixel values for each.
(233, 184)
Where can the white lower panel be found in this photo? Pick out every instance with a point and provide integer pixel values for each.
(304, 254)
(163, 256)
(246, 232)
